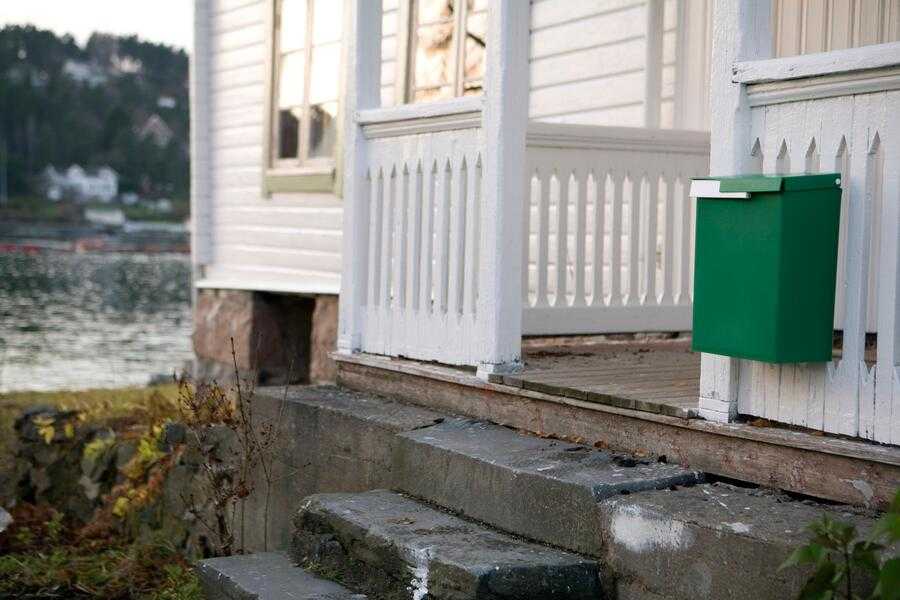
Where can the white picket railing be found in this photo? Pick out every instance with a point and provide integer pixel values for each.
(810, 113)
(423, 190)
(609, 222)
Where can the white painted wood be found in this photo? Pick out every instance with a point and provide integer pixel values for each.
(362, 26)
(613, 62)
(607, 168)
(653, 63)
(814, 65)
(232, 43)
(741, 32)
(820, 87)
(851, 132)
(505, 124)
(201, 124)
(809, 26)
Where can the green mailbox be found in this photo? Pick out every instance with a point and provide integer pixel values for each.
(765, 264)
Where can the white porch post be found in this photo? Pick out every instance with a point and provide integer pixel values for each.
(741, 31)
(505, 122)
(362, 90)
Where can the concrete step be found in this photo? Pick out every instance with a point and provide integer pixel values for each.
(265, 576)
(713, 541)
(543, 489)
(390, 546)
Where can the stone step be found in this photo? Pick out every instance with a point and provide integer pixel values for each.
(265, 576)
(390, 546)
(713, 541)
(546, 490)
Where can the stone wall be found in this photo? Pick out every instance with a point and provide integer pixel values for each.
(278, 338)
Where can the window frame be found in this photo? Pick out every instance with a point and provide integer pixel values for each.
(405, 88)
(286, 175)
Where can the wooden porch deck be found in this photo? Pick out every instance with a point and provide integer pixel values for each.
(658, 376)
(635, 397)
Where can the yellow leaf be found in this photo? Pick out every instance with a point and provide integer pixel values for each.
(47, 432)
(69, 430)
(120, 508)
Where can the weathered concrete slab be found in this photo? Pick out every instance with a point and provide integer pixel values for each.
(329, 440)
(397, 547)
(711, 541)
(265, 576)
(543, 489)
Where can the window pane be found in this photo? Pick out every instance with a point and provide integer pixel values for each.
(291, 80)
(293, 25)
(288, 133)
(439, 93)
(476, 33)
(325, 73)
(434, 61)
(432, 11)
(327, 21)
(322, 129)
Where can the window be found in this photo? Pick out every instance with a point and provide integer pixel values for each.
(446, 48)
(306, 57)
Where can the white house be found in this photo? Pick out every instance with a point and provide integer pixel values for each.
(87, 73)
(468, 173)
(101, 184)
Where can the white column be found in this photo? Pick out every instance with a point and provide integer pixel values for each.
(653, 63)
(505, 122)
(741, 31)
(200, 131)
(362, 84)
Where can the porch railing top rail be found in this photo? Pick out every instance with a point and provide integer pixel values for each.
(813, 65)
(619, 139)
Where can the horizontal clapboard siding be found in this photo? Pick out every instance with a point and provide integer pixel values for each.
(589, 58)
(286, 243)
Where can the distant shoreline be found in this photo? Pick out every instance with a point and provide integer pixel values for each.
(30, 237)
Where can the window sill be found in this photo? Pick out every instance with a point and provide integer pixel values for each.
(307, 180)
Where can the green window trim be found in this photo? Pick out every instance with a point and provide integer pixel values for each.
(275, 183)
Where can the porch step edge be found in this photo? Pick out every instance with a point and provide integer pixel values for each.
(391, 546)
(265, 576)
(543, 489)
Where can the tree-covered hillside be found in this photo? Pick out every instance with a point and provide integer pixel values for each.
(61, 104)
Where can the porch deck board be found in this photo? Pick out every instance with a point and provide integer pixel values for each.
(660, 377)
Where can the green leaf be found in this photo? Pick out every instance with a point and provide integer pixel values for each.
(804, 555)
(821, 585)
(864, 555)
(888, 587)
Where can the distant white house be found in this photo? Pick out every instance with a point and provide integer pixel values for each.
(85, 72)
(157, 130)
(106, 217)
(101, 184)
(166, 102)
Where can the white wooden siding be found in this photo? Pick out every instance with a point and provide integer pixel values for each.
(289, 242)
(588, 63)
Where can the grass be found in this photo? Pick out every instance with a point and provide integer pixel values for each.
(34, 209)
(43, 557)
(113, 407)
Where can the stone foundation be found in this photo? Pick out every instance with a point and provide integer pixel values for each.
(278, 338)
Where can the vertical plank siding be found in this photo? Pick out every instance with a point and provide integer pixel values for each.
(610, 228)
(808, 26)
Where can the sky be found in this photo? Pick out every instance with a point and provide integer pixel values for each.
(162, 21)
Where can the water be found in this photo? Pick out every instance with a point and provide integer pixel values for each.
(76, 321)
